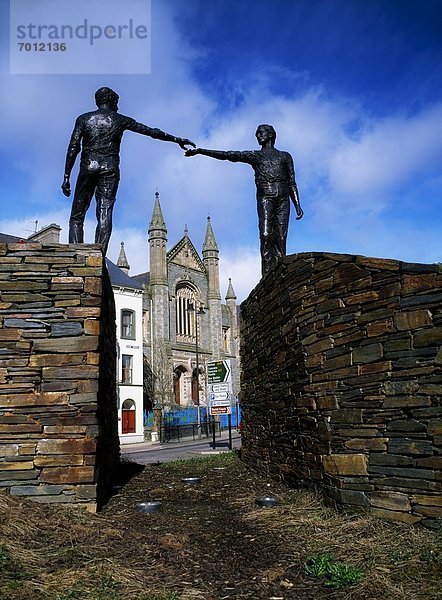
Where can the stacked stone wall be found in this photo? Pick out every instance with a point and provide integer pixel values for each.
(342, 381)
(58, 419)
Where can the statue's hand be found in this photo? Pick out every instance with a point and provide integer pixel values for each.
(66, 187)
(192, 152)
(300, 213)
(183, 142)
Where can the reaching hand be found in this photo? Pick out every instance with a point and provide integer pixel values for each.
(192, 152)
(183, 142)
(66, 187)
(300, 213)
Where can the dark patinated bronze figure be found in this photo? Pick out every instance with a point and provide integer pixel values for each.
(98, 134)
(275, 186)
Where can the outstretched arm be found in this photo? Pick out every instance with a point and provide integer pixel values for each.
(157, 134)
(231, 155)
(72, 152)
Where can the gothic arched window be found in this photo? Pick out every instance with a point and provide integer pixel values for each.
(185, 316)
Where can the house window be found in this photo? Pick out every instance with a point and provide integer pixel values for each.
(128, 324)
(185, 316)
(126, 363)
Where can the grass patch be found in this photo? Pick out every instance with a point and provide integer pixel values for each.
(223, 459)
(11, 572)
(335, 574)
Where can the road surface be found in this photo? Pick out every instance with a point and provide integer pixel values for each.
(145, 454)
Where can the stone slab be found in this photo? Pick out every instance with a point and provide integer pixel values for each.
(65, 345)
(345, 464)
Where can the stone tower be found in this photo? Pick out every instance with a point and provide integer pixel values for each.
(211, 262)
(231, 305)
(158, 273)
(234, 333)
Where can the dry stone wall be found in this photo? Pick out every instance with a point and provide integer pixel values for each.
(342, 381)
(58, 420)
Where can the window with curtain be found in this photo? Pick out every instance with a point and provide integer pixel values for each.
(126, 364)
(128, 324)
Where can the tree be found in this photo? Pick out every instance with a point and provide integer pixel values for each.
(162, 381)
(147, 385)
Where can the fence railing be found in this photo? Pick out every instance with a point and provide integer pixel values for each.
(175, 433)
(189, 416)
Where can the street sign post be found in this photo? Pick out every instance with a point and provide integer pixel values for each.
(219, 371)
(219, 387)
(220, 410)
(216, 405)
(219, 396)
(219, 391)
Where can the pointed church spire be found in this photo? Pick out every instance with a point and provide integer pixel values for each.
(186, 231)
(230, 291)
(157, 245)
(122, 261)
(211, 262)
(210, 242)
(157, 221)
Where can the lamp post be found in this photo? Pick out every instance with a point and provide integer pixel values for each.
(192, 307)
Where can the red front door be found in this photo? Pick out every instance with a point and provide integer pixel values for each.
(128, 421)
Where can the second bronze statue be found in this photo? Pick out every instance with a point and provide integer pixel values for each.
(275, 187)
(98, 135)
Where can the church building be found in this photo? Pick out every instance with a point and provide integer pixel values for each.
(184, 320)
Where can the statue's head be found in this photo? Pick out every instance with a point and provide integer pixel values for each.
(264, 132)
(107, 96)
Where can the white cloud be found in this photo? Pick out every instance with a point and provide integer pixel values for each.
(243, 266)
(35, 221)
(388, 154)
(135, 245)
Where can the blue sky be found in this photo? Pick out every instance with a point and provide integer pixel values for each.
(353, 89)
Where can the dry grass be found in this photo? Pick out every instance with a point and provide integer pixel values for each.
(398, 561)
(209, 543)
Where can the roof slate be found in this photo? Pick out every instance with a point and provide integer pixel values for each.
(119, 278)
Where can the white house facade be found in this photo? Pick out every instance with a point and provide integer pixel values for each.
(129, 318)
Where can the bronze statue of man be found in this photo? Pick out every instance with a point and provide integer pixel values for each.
(275, 186)
(98, 134)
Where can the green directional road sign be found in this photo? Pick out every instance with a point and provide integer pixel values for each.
(218, 371)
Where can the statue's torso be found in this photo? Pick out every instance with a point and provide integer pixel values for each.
(273, 172)
(102, 131)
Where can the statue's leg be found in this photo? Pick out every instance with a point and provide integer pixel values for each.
(266, 217)
(84, 190)
(282, 214)
(105, 195)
